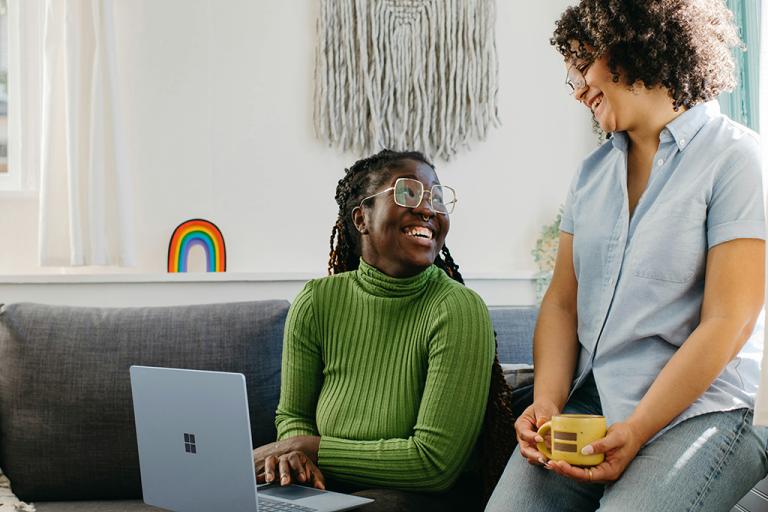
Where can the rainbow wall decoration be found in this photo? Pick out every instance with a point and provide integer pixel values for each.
(194, 233)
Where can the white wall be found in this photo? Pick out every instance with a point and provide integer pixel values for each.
(218, 103)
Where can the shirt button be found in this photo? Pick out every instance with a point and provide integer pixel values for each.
(682, 142)
(660, 161)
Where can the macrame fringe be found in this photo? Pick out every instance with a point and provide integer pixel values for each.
(8, 501)
(405, 74)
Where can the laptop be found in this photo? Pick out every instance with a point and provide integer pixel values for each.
(195, 451)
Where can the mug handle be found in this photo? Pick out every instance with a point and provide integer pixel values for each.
(543, 431)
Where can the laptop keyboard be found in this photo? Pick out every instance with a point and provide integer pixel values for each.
(268, 505)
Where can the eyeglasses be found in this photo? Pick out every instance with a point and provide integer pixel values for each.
(574, 77)
(409, 194)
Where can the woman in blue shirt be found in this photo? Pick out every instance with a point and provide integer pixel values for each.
(658, 285)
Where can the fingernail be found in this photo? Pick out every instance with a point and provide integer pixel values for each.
(539, 439)
(284, 480)
(542, 461)
(587, 450)
(269, 477)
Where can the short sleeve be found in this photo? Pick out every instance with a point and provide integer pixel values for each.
(566, 222)
(736, 207)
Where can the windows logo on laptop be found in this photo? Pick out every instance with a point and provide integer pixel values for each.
(189, 443)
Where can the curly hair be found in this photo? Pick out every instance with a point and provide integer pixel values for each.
(684, 46)
(497, 440)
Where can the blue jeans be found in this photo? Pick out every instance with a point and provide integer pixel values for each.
(705, 463)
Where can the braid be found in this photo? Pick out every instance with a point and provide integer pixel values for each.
(448, 265)
(334, 258)
(497, 440)
(343, 254)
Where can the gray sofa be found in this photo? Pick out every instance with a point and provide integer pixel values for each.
(67, 437)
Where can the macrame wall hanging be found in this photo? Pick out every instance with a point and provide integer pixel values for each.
(405, 74)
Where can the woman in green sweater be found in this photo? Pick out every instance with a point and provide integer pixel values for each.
(387, 363)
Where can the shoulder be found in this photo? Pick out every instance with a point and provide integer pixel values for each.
(734, 148)
(726, 129)
(322, 286)
(722, 133)
(461, 294)
(595, 164)
(315, 290)
(600, 153)
(459, 302)
(460, 320)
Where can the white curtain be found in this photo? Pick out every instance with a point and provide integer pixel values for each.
(86, 212)
(761, 407)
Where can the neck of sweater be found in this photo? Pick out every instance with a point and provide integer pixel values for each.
(376, 282)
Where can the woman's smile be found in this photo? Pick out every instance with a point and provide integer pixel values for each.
(595, 103)
(422, 235)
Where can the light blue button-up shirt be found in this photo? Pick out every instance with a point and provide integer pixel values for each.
(641, 278)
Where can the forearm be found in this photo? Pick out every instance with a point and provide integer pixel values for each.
(555, 352)
(397, 463)
(688, 374)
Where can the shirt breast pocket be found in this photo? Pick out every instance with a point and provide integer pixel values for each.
(670, 247)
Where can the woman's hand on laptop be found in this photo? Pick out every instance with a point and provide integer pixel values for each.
(292, 465)
(310, 445)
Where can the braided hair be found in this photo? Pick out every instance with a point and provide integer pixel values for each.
(497, 440)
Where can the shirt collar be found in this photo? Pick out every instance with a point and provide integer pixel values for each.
(685, 127)
(682, 129)
(619, 140)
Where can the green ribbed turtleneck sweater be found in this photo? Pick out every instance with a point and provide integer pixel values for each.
(392, 373)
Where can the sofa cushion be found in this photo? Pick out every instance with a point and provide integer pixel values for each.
(514, 333)
(66, 416)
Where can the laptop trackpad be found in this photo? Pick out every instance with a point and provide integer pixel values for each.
(291, 492)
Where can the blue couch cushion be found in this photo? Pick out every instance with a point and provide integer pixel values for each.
(514, 333)
(66, 416)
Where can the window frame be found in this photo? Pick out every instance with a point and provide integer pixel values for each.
(25, 44)
(12, 179)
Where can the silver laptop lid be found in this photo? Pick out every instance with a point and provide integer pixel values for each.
(194, 439)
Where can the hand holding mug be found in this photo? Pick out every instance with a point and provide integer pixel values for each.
(526, 428)
(570, 436)
(619, 446)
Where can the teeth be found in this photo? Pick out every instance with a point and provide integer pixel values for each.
(419, 231)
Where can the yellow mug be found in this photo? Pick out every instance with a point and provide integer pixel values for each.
(569, 433)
